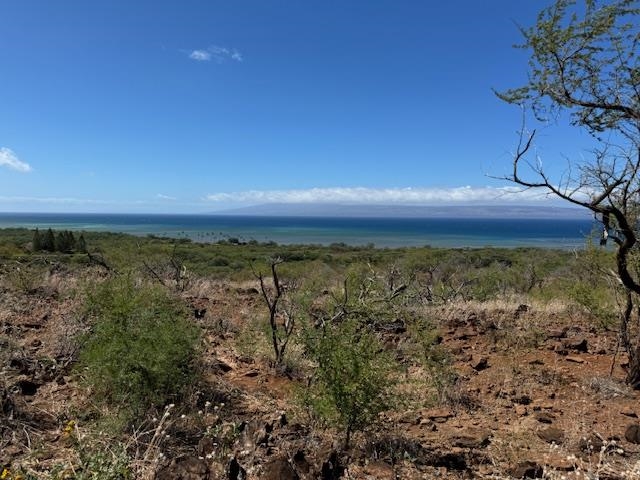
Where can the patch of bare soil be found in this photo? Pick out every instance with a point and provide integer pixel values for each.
(537, 395)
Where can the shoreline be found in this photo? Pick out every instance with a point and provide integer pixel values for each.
(381, 232)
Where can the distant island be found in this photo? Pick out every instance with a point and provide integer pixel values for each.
(407, 211)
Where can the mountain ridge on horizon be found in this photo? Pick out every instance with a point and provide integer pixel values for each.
(406, 211)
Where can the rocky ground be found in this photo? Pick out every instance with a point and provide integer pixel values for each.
(536, 397)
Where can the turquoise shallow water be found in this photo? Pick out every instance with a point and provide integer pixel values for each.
(382, 232)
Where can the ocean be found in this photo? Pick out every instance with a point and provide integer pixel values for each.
(382, 232)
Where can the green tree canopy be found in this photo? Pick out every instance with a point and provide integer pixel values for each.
(584, 62)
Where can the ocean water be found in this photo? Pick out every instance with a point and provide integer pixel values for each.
(382, 232)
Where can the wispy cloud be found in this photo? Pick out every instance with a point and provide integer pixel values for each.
(10, 160)
(360, 195)
(52, 200)
(165, 197)
(216, 53)
(200, 55)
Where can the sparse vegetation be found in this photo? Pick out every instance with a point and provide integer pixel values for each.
(398, 350)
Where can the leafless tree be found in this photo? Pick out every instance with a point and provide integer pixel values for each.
(584, 63)
(170, 272)
(281, 317)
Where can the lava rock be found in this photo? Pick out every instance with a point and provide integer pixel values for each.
(552, 435)
(544, 417)
(27, 387)
(301, 462)
(523, 400)
(235, 470)
(578, 344)
(592, 444)
(478, 439)
(279, 469)
(481, 364)
(184, 468)
(332, 468)
(527, 469)
(632, 433)
(439, 415)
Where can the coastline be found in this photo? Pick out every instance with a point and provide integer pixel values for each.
(564, 233)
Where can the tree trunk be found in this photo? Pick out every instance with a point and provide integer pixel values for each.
(633, 374)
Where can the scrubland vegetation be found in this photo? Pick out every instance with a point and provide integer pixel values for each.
(156, 358)
(125, 357)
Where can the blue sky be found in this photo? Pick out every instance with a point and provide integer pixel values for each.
(197, 106)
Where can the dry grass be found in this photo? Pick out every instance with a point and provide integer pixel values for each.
(506, 307)
(610, 388)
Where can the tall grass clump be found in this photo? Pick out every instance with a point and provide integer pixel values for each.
(141, 348)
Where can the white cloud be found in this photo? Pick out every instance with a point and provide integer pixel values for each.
(10, 160)
(165, 197)
(200, 55)
(398, 196)
(217, 53)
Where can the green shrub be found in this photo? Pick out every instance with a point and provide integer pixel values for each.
(597, 301)
(353, 380)
(219, 262)
(141, 348)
